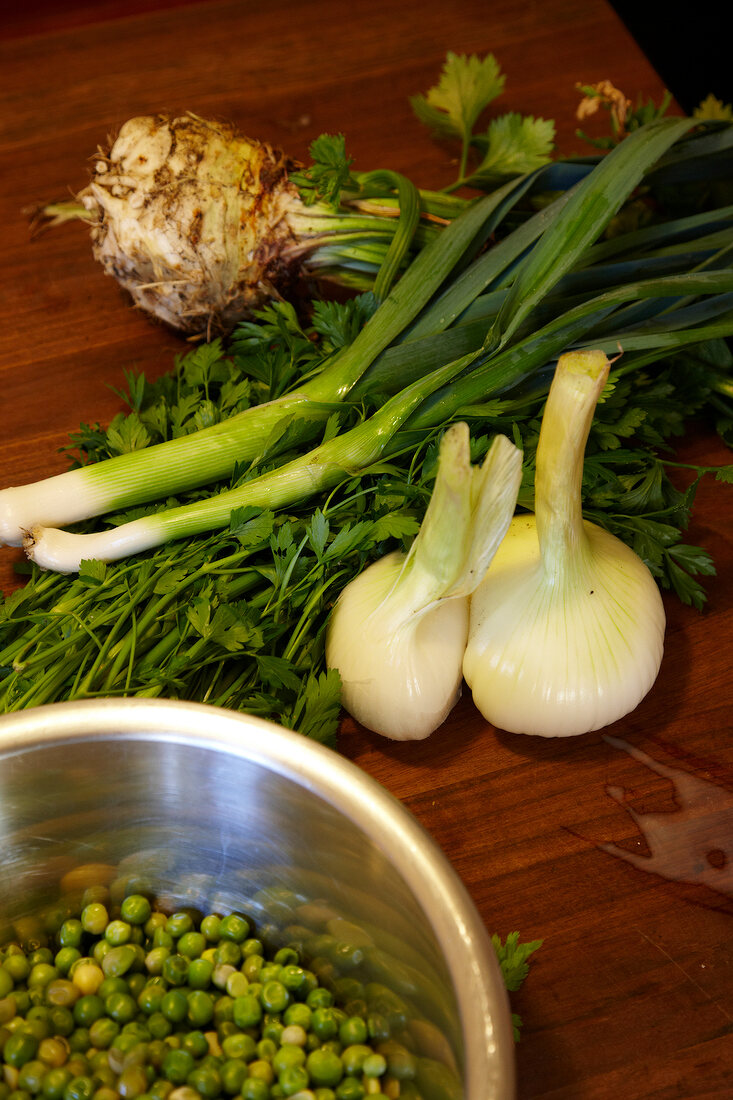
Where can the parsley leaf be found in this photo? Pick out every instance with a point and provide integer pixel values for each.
(329, 174)
(466, 86)
(513, 959)
(512, 145)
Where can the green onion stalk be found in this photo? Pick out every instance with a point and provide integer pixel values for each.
(690, 307)
(212, 454)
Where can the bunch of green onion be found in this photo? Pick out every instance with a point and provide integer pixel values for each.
(463, 329)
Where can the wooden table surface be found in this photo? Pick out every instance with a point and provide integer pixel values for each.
(615, 848)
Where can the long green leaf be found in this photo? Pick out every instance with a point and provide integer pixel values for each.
(592, 205)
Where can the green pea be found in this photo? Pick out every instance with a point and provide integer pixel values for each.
(17, 967)
(94, 918)
(234, 927)
(108, 986)
(160, 1089)
(288, 1056)
(31, 1076)
(200, 1008)
(353, 1058)
(99, 950)
(175, 969)
(70, 933)
(136, 982)
(272, 1028)
(178, 923)
(132, 1082)
(160, 1027)
(118, 960)
(233, 1073)
(223, 1009)
(88, 1009)
(135, 909)
(267, 1049)
(251, 966)
(149, 999)
(374, 1065)
(53, 1051)
(191, 944)
(200, 972)
(324, 1022)
(6, 982)
(40, 955)
(79, 1040)
(105, 1091)
(353, 1030)
(78, 1065)
(210, 927)
(324, 1094)
(65, 958)
(177, 1065)
(61, 1020)
(21, 998)
(155, 959)
(163, 938)
(254, 1088)
(268, 973)
(350, 1088)
(139, 1029)
(206, 1080)
(41, 974)
(236, 984)
(274, 997)
(252, 946)
(247, 1011)
(196, 1043)
(319, 998)
(293, 1079)
(121, 1007)
(239, 1045)
(174, 1005)
(79, 1088)
(299, 1015)
(291, 976)
(19, 1049)
(117, 932)
(54, 1083)
(324, 1067)
(228, 953)
(103, 1032)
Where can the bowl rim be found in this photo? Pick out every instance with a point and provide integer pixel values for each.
(487, 1034)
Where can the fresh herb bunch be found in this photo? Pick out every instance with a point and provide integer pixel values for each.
(238, 618)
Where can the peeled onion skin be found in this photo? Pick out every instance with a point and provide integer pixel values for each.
(400, 683)
(194, 220)
(565, 655)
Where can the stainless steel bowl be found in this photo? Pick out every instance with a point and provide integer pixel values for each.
(223, 811)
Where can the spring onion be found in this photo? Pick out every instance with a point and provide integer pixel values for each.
(185, 462)
(317, 471)
(398, 632)
(567, 628)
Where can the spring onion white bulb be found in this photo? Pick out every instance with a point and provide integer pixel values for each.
(398, 631)
(567, 627)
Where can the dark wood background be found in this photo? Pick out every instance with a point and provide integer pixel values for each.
(632, 992)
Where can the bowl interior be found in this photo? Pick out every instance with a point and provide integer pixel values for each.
(221, 812)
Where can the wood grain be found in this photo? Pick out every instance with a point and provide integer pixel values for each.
(632, 993)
